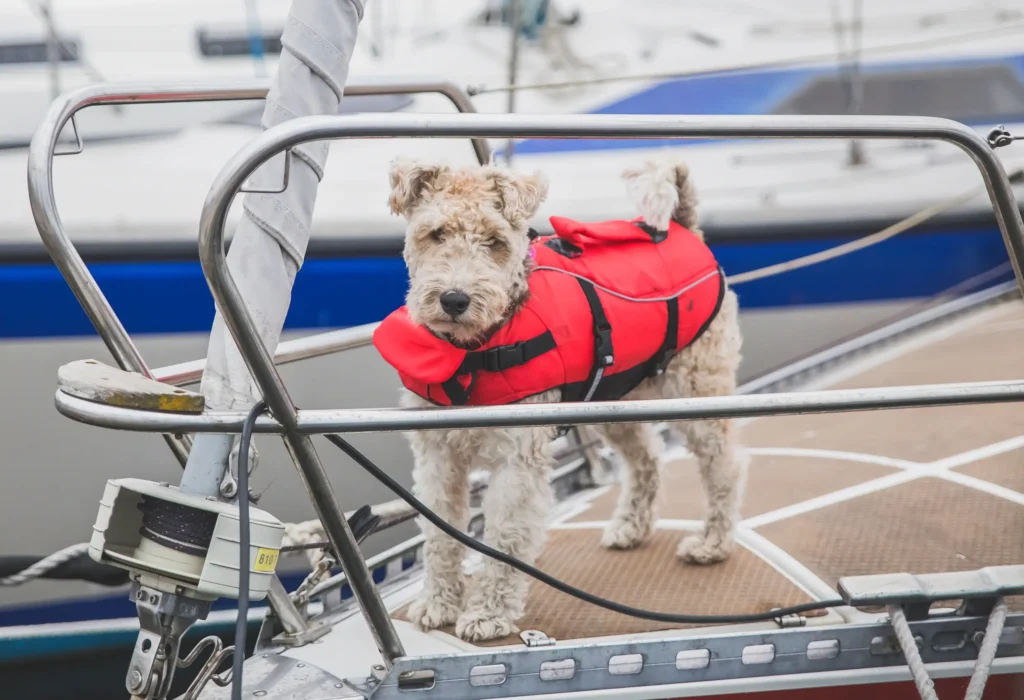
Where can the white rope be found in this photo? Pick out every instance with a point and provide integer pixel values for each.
(987, 652)
(982, 667)
(859, 244)
(814, 258)
(924, 683)
(45, 565)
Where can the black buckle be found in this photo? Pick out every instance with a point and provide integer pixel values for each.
(505, 357)
(604, 354)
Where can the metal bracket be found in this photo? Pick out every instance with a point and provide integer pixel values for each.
(536, 638)
(858, 650)
(999, 137)
(245, 189)
(79, 146)
(310, 634)
(916, 593)
(788, 621)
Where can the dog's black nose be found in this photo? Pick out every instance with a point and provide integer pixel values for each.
(454, 302)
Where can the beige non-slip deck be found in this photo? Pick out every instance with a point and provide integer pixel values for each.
(916, 490)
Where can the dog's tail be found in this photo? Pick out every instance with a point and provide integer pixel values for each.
(662, 191)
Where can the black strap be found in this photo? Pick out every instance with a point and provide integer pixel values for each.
(504, 357)
(495, 359)
(563, 247)
(656, 235)
(455, 392)
(668, 346)
(604, 353)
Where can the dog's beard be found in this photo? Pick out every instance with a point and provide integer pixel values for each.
(487, 312)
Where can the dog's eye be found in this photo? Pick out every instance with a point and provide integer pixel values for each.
(436, 235)
(495, 244)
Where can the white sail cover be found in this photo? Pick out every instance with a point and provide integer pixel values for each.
(269, 243)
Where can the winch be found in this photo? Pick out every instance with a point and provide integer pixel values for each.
(182, 552)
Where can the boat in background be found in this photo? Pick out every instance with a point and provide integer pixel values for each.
(131, 198)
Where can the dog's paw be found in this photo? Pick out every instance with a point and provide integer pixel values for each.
(625, 533)
(429, 613)
(695, 549)
(476, 626)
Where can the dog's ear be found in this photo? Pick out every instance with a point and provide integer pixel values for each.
(520, 196)
(409, 180)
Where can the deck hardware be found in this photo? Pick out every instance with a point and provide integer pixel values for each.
(791, 621)
(757, 654)
(626, 664)
(823, 649)
(978, 589)
(682, 659)
(218, 655)
(414, 680)
(999, 137)
(285, 179)
(78, 147)
(886, 645)
(693, 659)
(490, 674)
(536, 638)
(561, 670)
(950, 641)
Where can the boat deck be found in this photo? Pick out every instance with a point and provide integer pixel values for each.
(833, 495)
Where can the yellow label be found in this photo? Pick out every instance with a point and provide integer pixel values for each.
(266, 560)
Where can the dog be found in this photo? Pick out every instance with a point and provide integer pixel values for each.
(468, 251)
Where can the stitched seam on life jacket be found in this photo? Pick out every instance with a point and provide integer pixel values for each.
(620, 295)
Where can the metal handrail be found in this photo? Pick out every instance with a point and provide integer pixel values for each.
(373, 420)
(62, 250)
(298, 131)
(288, 351)
(287, 135)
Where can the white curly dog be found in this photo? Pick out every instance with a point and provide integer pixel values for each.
(468, 230)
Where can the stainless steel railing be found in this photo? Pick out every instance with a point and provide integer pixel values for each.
(296, 428)
(65, 256)
(296, 425)
(44, 205)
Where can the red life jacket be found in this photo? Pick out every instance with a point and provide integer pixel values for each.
(573, 333)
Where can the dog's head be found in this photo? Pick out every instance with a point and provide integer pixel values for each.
(466, 244)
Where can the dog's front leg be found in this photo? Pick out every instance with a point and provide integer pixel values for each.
(441, 481)
(516, 505)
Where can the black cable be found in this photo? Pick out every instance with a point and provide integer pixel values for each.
(453, 532)
(241, 624)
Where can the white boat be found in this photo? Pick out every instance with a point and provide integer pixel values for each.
(132, 205)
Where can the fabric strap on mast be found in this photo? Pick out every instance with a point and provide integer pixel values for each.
(269, 243)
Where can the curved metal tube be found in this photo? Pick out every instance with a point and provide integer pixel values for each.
(44, 205)
(372, 420)
(305, 129)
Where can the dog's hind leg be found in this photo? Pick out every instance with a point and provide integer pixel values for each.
(516, 505)
(708, 368)
(441, 481)
(639, 446)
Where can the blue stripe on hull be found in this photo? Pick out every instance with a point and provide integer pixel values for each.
(172, 297)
